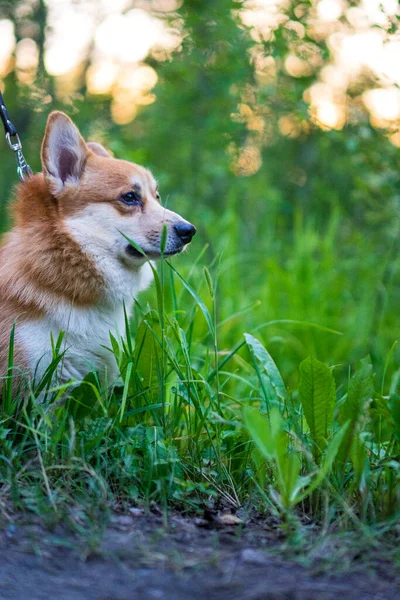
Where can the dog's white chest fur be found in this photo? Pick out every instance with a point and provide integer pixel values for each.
(87, 331)
(86, 341)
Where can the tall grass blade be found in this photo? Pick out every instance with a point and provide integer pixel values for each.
(196, 298)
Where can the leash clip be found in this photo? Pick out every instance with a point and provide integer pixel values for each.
(17, 145)
(23, 169)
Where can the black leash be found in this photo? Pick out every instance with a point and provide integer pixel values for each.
(23, 169)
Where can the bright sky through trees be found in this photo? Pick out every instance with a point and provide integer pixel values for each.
(115, 39)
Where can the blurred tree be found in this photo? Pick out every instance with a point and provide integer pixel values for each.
(187, 132)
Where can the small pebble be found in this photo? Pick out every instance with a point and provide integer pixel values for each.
(249, 555)
(155, 593)
(136, 512)
(10, 532)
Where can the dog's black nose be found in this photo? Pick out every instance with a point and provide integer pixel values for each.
(185, 231)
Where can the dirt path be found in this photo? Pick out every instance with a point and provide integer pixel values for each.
(138, 559)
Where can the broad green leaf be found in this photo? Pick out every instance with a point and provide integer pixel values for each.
(326, 465)
(262, 431)
(291, 482)
(260, 465)
(272, 441)
(264, 365)
(355, 407)
(317, 395)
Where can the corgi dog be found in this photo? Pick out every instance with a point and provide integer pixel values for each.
(67, 265)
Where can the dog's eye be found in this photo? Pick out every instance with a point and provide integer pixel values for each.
(131, 199)
(158, 195)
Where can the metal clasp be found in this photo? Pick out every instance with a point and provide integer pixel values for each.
(17, 145)
(23, 169)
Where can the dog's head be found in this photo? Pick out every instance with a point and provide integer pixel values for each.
(104, 201)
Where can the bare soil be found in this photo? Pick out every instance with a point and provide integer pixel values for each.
(143, 557)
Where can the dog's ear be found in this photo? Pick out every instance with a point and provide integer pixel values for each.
(99, 149)
(63, 153)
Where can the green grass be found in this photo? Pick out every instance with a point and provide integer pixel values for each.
(218, 399)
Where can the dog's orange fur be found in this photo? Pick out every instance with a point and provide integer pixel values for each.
(44, 257)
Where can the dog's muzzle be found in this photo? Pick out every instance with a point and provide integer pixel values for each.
(184, 232)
